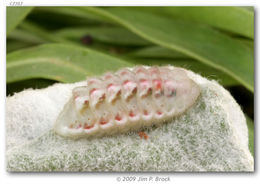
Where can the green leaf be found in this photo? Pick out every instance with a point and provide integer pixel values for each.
(156, 52)
(76, 12)
(26, 36)
(12, 45)
(113, 35)
(161, 52)
(14, 16)
(197, 41)
(65, 63)
(54, 18)
(192, 65)
(33, 33)
(250, 125)
(248, 43)
(40, 33)
(233, 19)
(249, 8)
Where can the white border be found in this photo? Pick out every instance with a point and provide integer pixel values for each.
(110, 178)
(135, 2)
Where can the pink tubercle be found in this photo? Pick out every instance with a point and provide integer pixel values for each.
(103, 121)
(158, 84)
(159, 112)
(126, 82)
(110, 85)
(123, 73)
(118, 117)
(88, 126)
(132, 114)
(93, 90)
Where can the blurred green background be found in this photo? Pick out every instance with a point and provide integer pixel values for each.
(46, 45)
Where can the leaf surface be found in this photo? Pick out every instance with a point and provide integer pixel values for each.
(14, 16)
(197, 41)
(250, 125)
(233, 19)
(65, 63)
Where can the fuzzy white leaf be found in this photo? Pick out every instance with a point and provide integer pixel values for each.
(211, 136)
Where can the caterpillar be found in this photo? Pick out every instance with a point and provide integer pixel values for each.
(126, 100)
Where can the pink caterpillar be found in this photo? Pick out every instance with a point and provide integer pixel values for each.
(126, 100)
